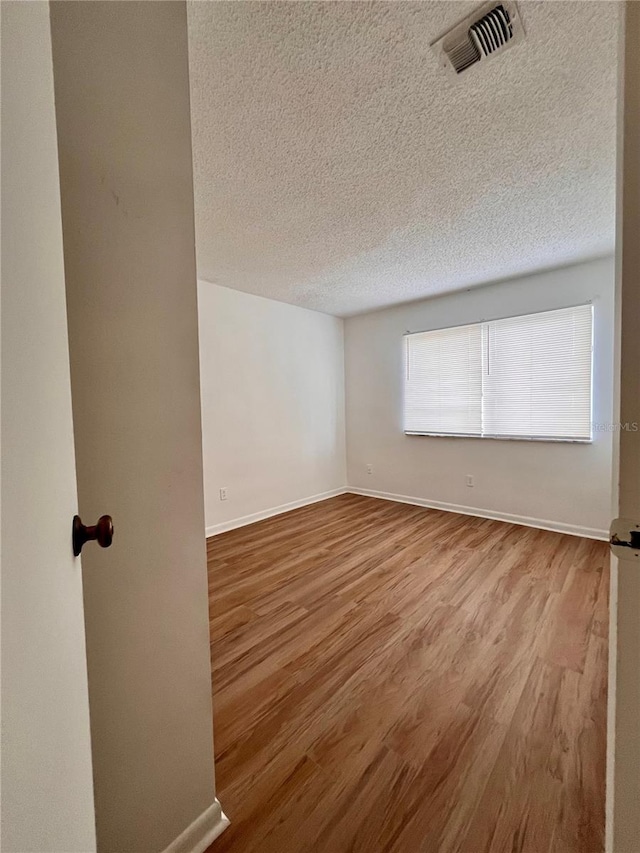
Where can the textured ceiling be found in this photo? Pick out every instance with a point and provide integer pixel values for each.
(339, 168)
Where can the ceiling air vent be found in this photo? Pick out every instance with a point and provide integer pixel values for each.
(489, 30)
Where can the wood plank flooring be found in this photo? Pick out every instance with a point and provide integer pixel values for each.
(392, 678)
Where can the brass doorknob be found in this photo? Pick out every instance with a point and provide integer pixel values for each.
(102, 532)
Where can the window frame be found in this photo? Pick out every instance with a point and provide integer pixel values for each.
(500, 437)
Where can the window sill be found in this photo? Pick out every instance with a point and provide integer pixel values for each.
(503, 437)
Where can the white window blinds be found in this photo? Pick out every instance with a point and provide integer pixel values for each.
(522, 377)
(443, 388)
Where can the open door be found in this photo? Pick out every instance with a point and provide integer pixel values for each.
(623, 788)
(47, 792)
(124, 136)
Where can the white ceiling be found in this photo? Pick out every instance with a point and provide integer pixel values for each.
(339, 168)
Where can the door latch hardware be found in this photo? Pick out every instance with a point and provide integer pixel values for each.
(624, 538)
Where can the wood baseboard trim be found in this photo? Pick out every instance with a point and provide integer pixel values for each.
(216, 529)
(202, 832)
(540, 523)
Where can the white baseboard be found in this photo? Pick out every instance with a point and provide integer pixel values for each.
(215, 529)
(542, 523)
(527, 521)
(202, 832)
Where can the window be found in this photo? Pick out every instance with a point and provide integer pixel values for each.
(522, 377)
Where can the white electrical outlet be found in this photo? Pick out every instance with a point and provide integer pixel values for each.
(369, 468)
(470, 480)
(223, 494)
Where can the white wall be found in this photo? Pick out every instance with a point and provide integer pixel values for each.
(563, 486)
(47, 792)
(272, 380)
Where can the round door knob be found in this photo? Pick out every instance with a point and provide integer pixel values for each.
(102, 532)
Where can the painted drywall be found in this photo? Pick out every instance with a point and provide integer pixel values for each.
(559, 485)
(122, 103)
(47, 791)
(272, 405)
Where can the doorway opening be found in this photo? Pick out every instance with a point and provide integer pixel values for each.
(407, 349)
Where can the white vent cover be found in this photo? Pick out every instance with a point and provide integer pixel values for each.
(492, 28)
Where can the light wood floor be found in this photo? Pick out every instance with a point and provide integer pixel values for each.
(390, 678)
